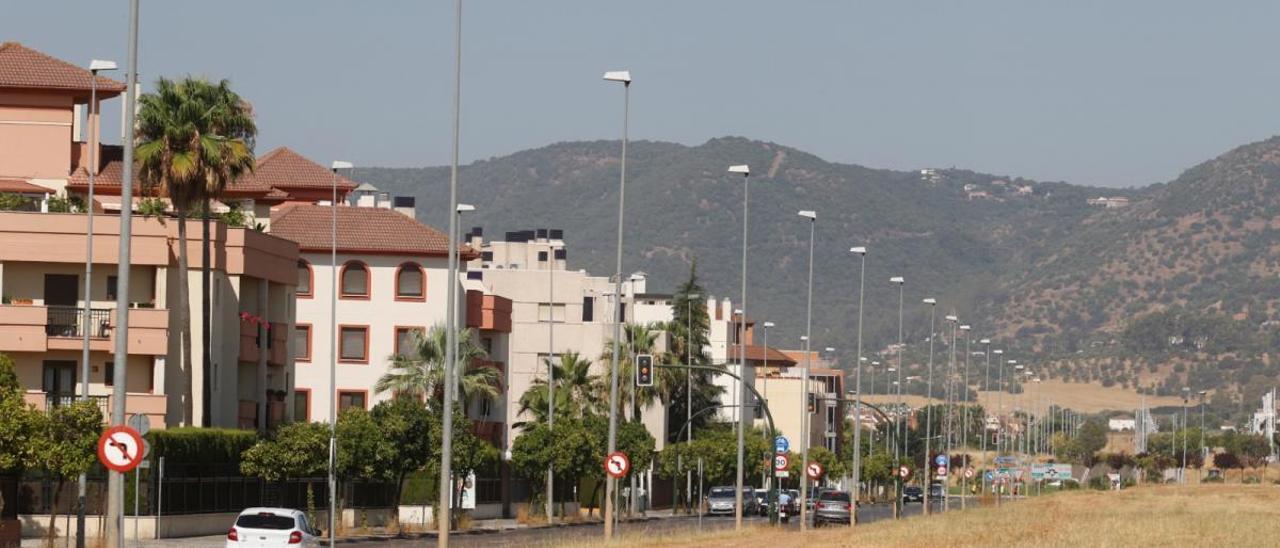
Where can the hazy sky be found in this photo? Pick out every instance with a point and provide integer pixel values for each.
(1112, 93)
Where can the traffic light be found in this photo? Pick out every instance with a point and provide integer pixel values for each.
(813, 402)
(644, 370)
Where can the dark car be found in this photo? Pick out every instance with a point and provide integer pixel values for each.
(832, 507)
(912, 493)
(935, 491)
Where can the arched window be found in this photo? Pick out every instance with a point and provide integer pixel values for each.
(411, 283)
(355, 280)
(304, 278)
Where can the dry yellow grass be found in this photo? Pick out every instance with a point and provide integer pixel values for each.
(1217, 515)
(1082, 397)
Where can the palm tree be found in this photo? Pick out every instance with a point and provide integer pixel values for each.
(421, 371)
(193, 138)
(577, 390)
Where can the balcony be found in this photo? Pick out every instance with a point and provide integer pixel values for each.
(277, 341)
(490, 431)
(151, 405)
(488, 312)
(26, 328)
(68, 321)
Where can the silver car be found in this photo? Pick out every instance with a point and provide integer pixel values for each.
(721, 500)
(832, 507)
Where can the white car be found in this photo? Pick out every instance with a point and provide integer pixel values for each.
(272, 527)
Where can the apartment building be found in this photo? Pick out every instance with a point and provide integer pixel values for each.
(726, 331)
(554, 310)
(44, 152)
(823, 401)
(391, 280)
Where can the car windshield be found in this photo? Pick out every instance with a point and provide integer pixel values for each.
(835, 496)
(913, 489)
(721, 492)
(265, 521)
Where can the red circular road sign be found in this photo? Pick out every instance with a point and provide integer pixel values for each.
(814, 470)
(968, 472)
(904, 471)
(781, 462)
(120, 449)
(616, 464)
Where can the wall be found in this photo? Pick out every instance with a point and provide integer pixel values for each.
(35, 134)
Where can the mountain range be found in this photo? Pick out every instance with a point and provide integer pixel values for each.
(1151, 288)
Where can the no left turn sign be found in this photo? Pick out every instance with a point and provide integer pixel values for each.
(120, 449)
(968, 472)
(617, 464)
(904, 471)
(814, 470)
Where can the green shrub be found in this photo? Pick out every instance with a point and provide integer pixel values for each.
(192, 445)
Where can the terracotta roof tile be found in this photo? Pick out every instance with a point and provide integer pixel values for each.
(112, 174)
(360, 230)
(285, 169)
(22, 187)
(23, 67)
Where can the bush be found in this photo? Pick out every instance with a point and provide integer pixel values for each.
(1100, 483)
(193, 445)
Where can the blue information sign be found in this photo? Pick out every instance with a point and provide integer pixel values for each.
(781, 445)
(940, 460)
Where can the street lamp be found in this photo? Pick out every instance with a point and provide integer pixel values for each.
(333, 349)
(610, 484)
(964, 423)
(1202, 453)
(899, 447)
(928, 421)
(445, 523)
(804, 382)
(95, 66)
(861, 252)
(742, 345)
(948, 438)
(688, 390)
(986, 387)
(1186, 394)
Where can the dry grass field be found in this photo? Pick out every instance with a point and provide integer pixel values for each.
(1210, 515)
(1086, 398)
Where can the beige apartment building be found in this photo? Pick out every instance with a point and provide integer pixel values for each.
(44, 152)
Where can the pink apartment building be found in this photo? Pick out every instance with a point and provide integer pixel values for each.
(42, 258)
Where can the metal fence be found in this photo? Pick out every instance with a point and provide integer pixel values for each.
(68, 321)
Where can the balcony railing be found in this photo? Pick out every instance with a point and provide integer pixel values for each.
(58, 399)
(68, 321)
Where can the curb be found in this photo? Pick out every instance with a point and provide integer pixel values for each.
(486, 531)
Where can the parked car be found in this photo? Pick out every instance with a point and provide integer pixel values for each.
(721, 500)
(750, 504)
(935, 490)
(912, 493)
(832, 507)
(272, 527)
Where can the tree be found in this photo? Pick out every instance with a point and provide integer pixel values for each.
(65, 444)
(405, 425)
(832, 466)
(637, 339)
(578, 391)
(298, 450)
(193, 138)
(1227, 461)
(363, 452)
(689, 329)
(470, 453)
(571, 449)
(421, 370)
(18, 424)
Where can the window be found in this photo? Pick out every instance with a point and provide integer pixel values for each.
(353, 344)
(304, 279)
(112, 284)
(411, 284)
(545, 311)
(302, 342)
(350, 398)
(109, 372)
(355, 281)
(405, 339)
(301, 405)
(542, 256)
(588, 309)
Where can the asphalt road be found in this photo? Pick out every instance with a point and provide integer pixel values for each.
(555, 536)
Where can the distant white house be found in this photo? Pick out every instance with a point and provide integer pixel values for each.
(1122, 425)
(1109, 202)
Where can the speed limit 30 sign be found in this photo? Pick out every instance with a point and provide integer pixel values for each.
(781, 462)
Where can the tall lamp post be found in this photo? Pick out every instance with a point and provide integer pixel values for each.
(964, 422)
(551, 372)
(95, 66)
(899, 421)
(986, 387)
(948, 438)
(804, 379)
(610, 484)
(445, 485)
(1186, 395)
(115, 480)
(688, 390)
(861, 252)
(1202, 454)
(928, 396)
(742, 348)
(333, 348)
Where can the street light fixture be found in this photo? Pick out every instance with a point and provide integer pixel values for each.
(333, 350)
(899, 447)
(861, 252)
(804, 383)
(623, 77)
(928, 421)
(964, 428)
(742, 345)
(95, 66)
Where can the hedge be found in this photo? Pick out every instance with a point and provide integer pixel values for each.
(191, 445)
